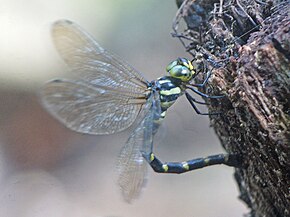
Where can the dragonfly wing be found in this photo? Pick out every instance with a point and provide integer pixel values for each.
(132, 168)
(131, 165)
(91, 109)
(95, 65)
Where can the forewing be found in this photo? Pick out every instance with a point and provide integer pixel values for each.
(95, 65)
(91, 109)
(131, 165)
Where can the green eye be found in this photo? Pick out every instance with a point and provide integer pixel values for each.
(171, 65)
(181, 72)
(181, 69)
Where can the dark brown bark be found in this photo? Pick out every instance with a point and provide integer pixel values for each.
(254, 77)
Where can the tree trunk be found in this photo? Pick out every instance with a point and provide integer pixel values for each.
(252, 71)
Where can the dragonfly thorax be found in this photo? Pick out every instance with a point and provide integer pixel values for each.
(169, 90)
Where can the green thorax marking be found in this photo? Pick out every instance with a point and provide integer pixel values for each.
(169, 89)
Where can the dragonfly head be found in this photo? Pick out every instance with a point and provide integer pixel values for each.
(182, 69)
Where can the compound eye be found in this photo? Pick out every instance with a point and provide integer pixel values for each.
(171, 65)
(186, 63)
(186, 74)
(183, 61)
(181, 72)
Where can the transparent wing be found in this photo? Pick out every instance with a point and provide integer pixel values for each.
(95, 65)
(131, 165)
(91, 109)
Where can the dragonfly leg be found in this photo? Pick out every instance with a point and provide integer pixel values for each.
(205, 80)
(192, 101)
(186, 166)
(203, 94)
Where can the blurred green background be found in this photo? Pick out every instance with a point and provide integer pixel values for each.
(47, 170)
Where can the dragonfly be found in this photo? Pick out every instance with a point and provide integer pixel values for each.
(109, 96)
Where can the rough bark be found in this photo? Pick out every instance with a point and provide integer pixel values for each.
(253, 74)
